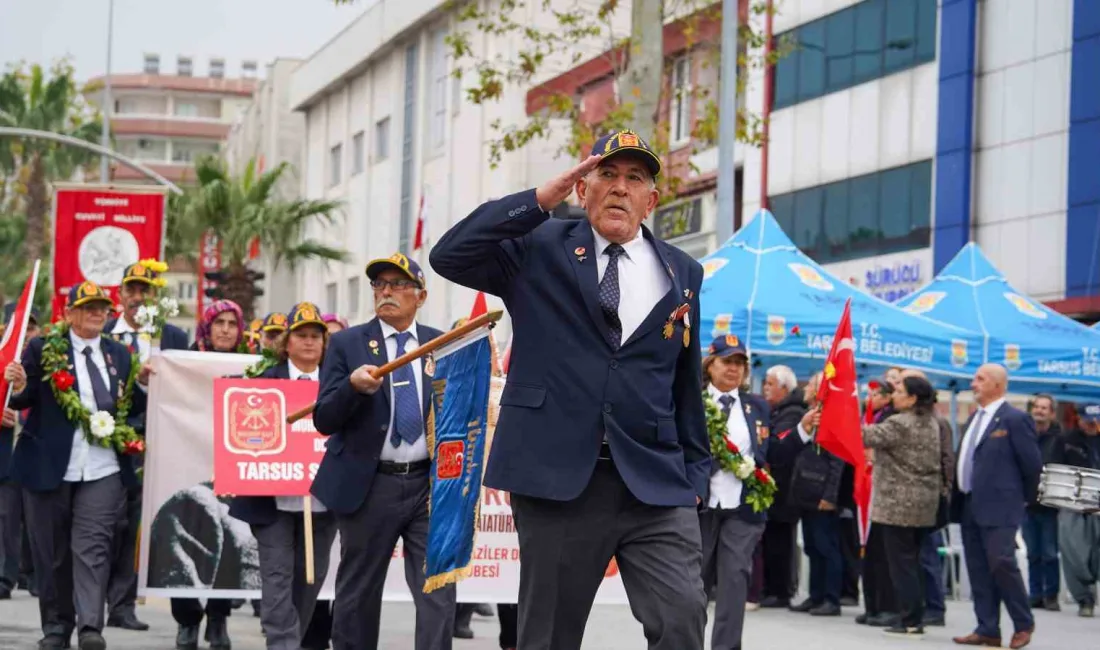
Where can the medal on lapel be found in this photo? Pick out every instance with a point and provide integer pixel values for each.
(429, 366)
(579, 252)
(687, 327)
(373, 347)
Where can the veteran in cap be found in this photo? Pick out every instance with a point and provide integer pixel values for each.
(272, 326)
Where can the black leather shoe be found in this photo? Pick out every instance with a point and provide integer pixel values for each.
(934, 620)
(484, 609)
(1052, 605)
(217, 634)
(862, 619)
(187, 638)
(826, 609)
(127, 621)
(91, 640)
(884, 619)
(804, 606)
(848, 601)
(774, 602)
(5, 593)
(463, 632)
(53, 642)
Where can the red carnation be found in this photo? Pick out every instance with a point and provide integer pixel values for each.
(732, 447)
(134, 447)
(762, 476)
(63, 380)
(796, 331)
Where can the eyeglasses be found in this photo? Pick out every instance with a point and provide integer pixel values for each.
(396, 285)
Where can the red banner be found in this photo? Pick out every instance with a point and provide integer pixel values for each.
(256, 453)
(99, 231)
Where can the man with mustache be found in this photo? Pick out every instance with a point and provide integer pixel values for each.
(139, 284)
(374, 476)
(602, 439)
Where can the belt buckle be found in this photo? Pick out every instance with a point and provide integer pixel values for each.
(403, 465)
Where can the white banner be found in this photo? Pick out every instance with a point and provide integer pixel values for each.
(192, 548)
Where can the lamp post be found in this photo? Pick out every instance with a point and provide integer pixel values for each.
(105, 134)
(727, 120)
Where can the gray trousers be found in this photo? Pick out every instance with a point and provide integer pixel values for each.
(566, 549)
(1079, 542)
(11, 525)
(71, 531)
(122, 585)
(728, 544)
(395, 508)
(287, 602)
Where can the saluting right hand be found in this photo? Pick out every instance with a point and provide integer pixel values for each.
(16, 376)
(557, 190)
(364, 382)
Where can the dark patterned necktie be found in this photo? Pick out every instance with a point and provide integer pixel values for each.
(408, 425)
(103, 399)
(609, 294)
(727, 402)
(305, 378)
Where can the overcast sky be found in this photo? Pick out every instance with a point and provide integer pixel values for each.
(46, 30)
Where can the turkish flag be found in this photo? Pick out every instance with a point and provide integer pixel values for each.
(11, 345)
(421, 227)
(480, 306)
(840, 431)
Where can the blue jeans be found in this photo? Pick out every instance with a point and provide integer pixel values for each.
(821, 536)
(932, 565)
(1040, 532)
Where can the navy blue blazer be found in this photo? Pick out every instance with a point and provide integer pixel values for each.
(259, 511)
(567, 387)
(42, 453)
(171, 337)
(757, 417)
(1007, 466)
(357, 424)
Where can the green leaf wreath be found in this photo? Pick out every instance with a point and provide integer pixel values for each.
(269, 360)
(100, 428)
(758, 482)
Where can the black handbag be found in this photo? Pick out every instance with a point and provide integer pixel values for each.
(811, 473)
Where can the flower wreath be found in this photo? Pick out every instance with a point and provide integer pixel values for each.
(758, 482)
(100, 428)
(269, 360)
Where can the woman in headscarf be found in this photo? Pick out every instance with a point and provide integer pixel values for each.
(334, 323)
(278, 523)
(221, 329)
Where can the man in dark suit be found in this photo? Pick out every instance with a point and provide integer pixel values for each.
(139, 283)
(74, 490)
(602, 438)
(999, 465)
(11, 495)
(374, 475)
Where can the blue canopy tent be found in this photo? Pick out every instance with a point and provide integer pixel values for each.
(1042, 349)
(761, 287)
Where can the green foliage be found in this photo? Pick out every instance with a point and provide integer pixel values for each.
(759, 483)
(267, 361)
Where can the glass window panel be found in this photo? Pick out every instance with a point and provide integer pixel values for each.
(786, 80)
(921, 212)
(869, 29)
(835, 222)
(901, 34)
(894, 206)
(926, 30)
(839, 49)
(811, 60)
(863, 228)
(782, 208)
(807, 220)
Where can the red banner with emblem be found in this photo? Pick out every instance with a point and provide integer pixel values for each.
(256, 453)
(98, 231)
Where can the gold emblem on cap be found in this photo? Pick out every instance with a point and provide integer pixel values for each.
(138, 270)
(400, 260)
(628, 139)
(731, 340)
(306, 311)
(87, 288)
(278, 319)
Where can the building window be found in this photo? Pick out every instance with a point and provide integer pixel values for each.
(353, 298)
(382, 139)
(330, 298)
(186, 152)
(884, 212)
(357, 145)
(863, 42)
(335, 157)
(437, 100)
(186, 109)
(679, 114)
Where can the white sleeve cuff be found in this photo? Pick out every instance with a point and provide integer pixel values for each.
(802, 434)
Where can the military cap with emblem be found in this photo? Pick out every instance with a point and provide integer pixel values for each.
(627, 141)
(399, 262)
(138, 272)
(88, 292)
(1090, 412)
(274, 322)
(305, 313)
(724, 346)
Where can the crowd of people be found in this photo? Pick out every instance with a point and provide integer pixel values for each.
(621, 435)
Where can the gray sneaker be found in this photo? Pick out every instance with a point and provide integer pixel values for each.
(1085, 610)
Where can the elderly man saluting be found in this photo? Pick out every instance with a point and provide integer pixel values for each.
(601, 439)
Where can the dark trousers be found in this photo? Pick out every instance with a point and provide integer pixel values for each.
(509, 634)
(189, 611)
(71, 530)
(821, 536)
(756, 580)
(779, 547)
(11, 529)
(1040, 531)
(566, 548)
(395, 508)
(849, 550)
(878, 592)
(903, 546)
(319, 631)
(122, 586)
(994, 575)
(931, 565)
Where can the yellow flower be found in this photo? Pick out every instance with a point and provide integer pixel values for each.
(160, 282)
(154, 265)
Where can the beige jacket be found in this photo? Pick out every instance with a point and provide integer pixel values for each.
(908, 474)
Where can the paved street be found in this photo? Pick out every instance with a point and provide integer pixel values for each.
(610, 628)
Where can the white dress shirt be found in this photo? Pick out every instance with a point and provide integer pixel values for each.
(966, 451)
(294, 504)
(643, 281)
(725, 488)
(144, 344)
(403, 453)
(89, 462)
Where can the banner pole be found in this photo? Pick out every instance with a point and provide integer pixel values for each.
(307, 517)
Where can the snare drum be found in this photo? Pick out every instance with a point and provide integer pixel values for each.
(1070, 488)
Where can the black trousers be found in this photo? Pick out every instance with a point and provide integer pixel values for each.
(878, 591)
(189, 611)
(903, 555)
(319, 631)
(779, 547)
(509, 632)
(849, 548)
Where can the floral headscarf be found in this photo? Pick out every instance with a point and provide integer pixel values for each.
(211, 313)
(333, 318)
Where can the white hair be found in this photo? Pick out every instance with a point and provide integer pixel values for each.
(784, 375)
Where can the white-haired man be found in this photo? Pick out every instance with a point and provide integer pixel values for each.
(787, 409)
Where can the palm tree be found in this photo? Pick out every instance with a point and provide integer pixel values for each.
(241, 212)
(33, 98)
